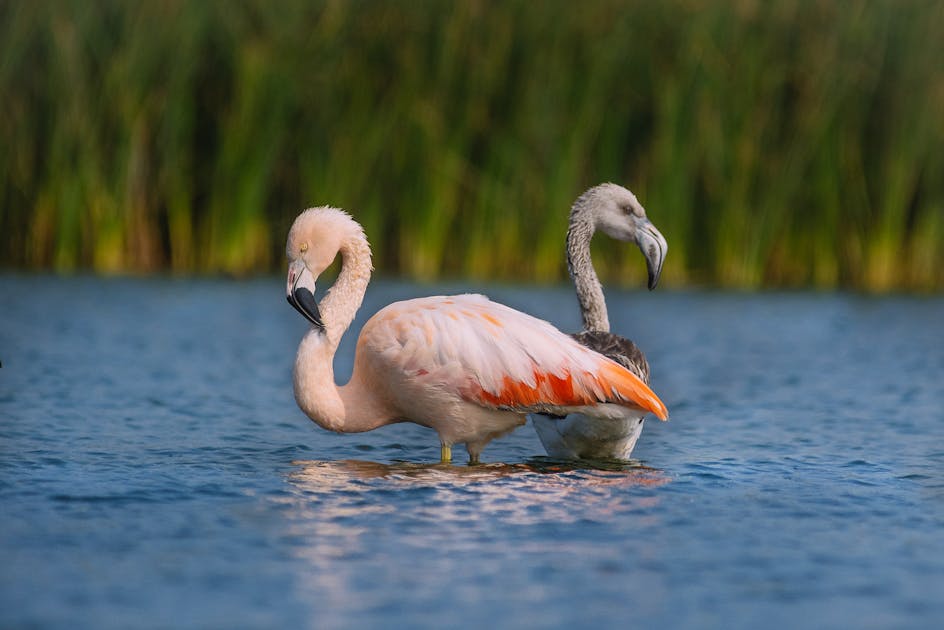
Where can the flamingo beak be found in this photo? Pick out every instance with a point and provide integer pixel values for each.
(653, 246)
(300, 293)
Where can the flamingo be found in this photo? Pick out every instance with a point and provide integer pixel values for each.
(468, 368)
(616, 211)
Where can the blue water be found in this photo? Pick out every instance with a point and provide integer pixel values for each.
(155, 472)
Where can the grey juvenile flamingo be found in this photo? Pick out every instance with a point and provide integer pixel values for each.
(617, 212)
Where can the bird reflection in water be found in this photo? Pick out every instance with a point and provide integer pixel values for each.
(601, 472)
(541, 489)
(345, 513)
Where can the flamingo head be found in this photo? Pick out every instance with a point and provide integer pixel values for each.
(316, 237)
(619, 214)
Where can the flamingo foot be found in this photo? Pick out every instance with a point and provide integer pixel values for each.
(445, 454)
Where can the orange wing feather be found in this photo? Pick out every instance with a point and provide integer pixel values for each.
(611, 384)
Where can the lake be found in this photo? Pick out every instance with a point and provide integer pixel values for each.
(155, 471)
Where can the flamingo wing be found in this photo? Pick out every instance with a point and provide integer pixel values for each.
(495, 356)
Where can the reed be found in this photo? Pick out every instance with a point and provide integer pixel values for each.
(787, 143)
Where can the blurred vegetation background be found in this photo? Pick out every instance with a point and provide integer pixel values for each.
(774, 143)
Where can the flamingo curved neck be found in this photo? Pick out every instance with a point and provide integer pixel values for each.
(349, 408)
(339, 305)
(580, 266)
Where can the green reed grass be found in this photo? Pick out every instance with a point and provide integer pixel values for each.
(785, 143)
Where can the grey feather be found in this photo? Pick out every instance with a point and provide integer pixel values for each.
(619, 349)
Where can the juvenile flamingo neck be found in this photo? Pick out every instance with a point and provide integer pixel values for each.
(353, 407)
(580, 266)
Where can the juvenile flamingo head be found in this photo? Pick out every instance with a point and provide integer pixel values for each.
(617, 212)
(314, 241)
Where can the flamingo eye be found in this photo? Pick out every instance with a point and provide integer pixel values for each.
(304, 248)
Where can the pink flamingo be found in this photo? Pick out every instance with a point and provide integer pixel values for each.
(467, 367)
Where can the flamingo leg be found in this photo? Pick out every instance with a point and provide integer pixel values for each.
(445, 454)
(474, 451)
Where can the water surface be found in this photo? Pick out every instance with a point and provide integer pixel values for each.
(155, 472)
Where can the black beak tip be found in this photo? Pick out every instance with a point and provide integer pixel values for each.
(654, 275)
(304, 302)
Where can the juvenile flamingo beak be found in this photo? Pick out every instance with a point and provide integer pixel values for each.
(653, 246)
(300, 293)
